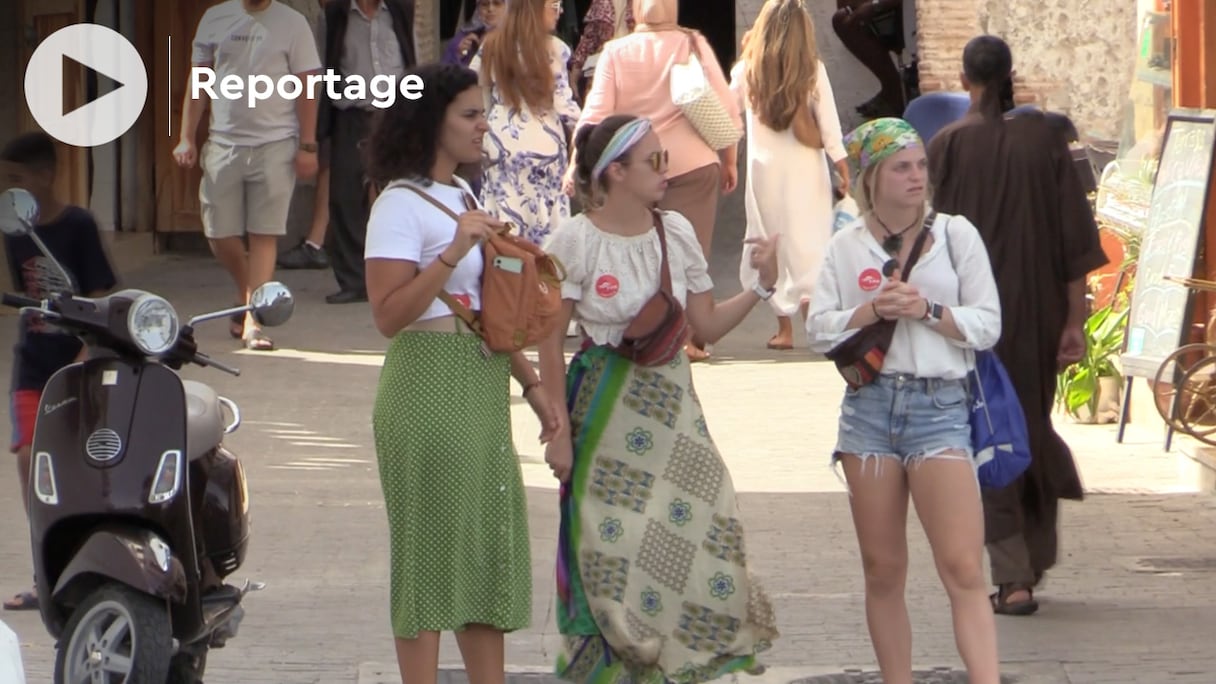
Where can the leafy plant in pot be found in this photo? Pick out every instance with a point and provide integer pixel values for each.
(1089, 389)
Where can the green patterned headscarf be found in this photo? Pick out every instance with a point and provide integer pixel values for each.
(874, 141)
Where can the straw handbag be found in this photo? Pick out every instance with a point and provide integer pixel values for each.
(696, 98)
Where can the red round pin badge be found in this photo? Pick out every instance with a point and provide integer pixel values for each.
(607, 286)
(465, 300)
(869, 280)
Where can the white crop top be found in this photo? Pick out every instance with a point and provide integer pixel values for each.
(406, 227)
(610, 277)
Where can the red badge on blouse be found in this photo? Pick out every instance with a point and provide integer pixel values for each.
(465, 300)
(869, 280)
(607, 286)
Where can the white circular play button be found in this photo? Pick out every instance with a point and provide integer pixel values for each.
(84, 48)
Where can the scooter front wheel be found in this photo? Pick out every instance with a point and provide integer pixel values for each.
(115, 635)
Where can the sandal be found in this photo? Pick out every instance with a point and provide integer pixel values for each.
(236, 326)
(257, 340)
(1001, 605)
(784, 346)
(26, 600)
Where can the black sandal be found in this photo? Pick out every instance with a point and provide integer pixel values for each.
(1001, 605)
(25, 600)
(236, 327)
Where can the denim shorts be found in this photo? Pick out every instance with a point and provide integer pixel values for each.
(906, 418)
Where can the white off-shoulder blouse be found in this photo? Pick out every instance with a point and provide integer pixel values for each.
(610, 277)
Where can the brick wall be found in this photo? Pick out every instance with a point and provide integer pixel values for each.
(944, 27)
(1073, 56)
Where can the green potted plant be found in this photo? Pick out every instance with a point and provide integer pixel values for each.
(1089, 390)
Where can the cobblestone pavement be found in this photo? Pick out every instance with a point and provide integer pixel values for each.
(1130, 602)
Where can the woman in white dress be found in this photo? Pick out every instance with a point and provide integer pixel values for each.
(530, 110)
(792, 132)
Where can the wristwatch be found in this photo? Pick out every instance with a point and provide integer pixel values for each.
(933, 313)
(762, 293)
(310, 148)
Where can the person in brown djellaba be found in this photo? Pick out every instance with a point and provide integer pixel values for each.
(1013, 177)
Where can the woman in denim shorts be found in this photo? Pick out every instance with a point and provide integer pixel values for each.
(908, 432)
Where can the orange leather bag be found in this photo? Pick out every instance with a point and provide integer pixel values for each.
(521, 289)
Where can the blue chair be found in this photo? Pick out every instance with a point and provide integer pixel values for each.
(932, 112)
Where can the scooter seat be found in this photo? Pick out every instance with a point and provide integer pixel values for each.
(204, 419)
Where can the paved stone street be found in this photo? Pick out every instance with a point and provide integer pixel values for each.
(1131, 601)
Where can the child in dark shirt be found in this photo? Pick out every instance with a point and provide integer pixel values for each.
(72, 236)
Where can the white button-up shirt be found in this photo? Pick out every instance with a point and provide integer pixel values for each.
(954, 271)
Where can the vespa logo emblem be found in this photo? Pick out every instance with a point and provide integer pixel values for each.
(48, 409)
(103, 445)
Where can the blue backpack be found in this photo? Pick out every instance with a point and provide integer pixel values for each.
(998, 424)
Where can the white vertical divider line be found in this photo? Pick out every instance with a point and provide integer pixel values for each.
(169, 96)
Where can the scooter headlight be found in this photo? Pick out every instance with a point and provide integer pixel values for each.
(153, 324)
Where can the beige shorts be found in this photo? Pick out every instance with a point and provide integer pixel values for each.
(247, 189)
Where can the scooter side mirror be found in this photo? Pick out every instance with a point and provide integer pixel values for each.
(272, 304)
(18, 212)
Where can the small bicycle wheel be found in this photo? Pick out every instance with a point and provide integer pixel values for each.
(1198, 413)
(1170, 386)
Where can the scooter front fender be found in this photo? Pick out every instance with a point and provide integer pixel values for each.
(138, 558)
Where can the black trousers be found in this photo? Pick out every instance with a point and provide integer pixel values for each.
(348, 198)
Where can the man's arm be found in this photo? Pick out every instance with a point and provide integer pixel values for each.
(306, 111)
(192, 111)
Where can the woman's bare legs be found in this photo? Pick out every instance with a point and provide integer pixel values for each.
(879, 501)
(947, 499)
(418, 659)
(482, 649)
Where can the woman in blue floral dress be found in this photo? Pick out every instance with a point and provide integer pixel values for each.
(530, 109)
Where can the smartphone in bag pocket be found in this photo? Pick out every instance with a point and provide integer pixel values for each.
(509, 264)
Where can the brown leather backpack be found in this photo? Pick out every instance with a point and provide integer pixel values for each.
(521, 289)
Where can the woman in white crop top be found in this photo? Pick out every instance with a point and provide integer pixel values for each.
(908, 431)
(650, 532)
(459, 554)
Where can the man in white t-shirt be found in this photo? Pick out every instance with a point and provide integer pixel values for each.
(254, 153)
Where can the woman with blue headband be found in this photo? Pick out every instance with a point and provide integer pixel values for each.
(906, 430)
(651, 558)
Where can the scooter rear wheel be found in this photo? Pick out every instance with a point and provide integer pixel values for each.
(115, 635)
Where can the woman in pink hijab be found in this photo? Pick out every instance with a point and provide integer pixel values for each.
(633, 76)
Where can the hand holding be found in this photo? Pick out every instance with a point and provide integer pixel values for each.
(898, 299)
(763, 258)
(549, 414)
(842, 168)
(559, 454)
(471, 229)
(467, 44)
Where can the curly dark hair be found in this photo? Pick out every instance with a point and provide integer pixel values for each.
(590, 141)
(404, 139)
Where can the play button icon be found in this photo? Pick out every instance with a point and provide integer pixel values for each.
(86, 49)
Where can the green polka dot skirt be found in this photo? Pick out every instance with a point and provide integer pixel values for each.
(452, 487)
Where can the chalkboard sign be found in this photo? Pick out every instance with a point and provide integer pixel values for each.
(1160, 309)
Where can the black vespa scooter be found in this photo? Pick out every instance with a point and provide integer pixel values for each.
(137, 510)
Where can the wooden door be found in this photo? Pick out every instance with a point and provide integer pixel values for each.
(47, 17)
(177, 204)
